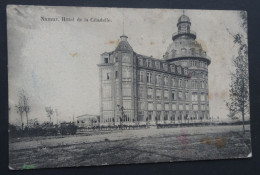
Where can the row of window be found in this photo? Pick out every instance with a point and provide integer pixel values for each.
(173, 96)
(174, 116)
(166, 107)
(161, 66)
(174, 82)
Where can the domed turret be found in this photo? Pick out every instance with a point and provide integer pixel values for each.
(184, 43)
(183, 18)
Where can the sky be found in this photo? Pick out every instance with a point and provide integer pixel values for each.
(55, 62)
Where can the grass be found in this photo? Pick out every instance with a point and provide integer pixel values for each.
(164, 145)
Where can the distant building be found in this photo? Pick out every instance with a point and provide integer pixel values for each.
(138, 88)
(87, 120)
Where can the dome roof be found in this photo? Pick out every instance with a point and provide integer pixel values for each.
(183, 18)
(185, 47)
(123, 44)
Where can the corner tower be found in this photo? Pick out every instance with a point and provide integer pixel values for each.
(188, 53)
(117, 86)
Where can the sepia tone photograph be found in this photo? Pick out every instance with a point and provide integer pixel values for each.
(95, 86)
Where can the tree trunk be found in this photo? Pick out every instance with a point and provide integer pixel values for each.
(27, 118)
(22, 120)
(243, 118)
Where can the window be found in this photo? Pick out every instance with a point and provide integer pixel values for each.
(158, 94)
(192, 84)
(150, 93)
(158, 79)
(173, 82)
(106, 91)
(141, 105)
(107, 105)
(183, 50)
(166, 107)
(166, 94)
(150, 106)
(173, 95)
(149, 63)
(126, 59)
(165, 80)
(149, 77)
(141, 76)
(106, 60)
(202, 97)
(165, 66)
(195, 107)
(180, 107)
(185, 72)
(116, 59)
(157, 65)
(186, 83)
(159, 106)
(126, 72)
(203, 84)
(108, 76)
(180, 82)
(173, 106)
(173, 53)
(179, 70)
(180, 95)
(173, 68)
(126, 90)
(127, 104)
(202, 107)
(194, 96)
(116, 75)
(140, 62)
(186, 96)
(187, 107)
(140, 92)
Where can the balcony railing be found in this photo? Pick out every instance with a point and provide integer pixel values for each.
(174, 35)
(187, 54)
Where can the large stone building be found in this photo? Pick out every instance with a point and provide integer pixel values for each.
(138, 88)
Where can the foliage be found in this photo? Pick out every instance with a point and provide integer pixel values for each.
(239, 87)
(49, 111)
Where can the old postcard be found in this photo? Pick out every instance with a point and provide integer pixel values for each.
(103, 86)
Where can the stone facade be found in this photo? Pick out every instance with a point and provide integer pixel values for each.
(137, 88)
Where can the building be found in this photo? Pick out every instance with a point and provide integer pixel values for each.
(87, 120)
(138, 88)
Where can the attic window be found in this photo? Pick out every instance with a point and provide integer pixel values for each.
(106, 60)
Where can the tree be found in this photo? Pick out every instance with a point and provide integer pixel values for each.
(20, 110)
(239, 87)
(23, 106)
(50, 112)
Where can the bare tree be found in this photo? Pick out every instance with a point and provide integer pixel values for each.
(23, 106)
(49, 111)
(239, 87)
(26, 106)
(20, 110)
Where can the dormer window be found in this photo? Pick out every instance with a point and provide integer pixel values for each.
(185, 72)
(106, 60)
(165, 66)
(157, 65)
(140, 62)
(173, 68)
(149, 63)
(179, 70)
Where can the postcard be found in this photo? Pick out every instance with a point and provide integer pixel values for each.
(93, 86)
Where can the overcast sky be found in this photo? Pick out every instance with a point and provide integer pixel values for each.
(56, 62)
